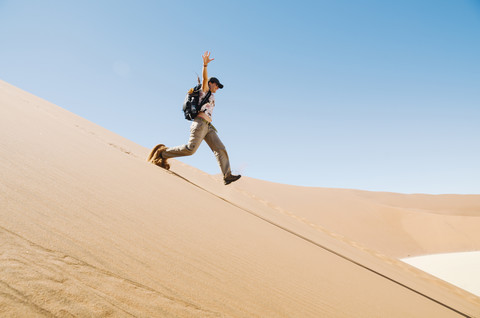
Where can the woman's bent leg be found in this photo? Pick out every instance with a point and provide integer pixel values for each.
(198, 130)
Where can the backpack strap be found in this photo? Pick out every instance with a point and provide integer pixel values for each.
(205, 99)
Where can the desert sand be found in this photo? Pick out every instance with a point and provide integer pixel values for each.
(90, 229)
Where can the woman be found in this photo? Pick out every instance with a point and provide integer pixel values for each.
(201, 129)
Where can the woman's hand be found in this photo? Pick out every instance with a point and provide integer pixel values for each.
(206, 58)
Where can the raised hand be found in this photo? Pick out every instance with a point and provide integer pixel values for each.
(206, 58)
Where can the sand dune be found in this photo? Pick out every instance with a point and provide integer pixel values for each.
(90, 229)
(399, 225)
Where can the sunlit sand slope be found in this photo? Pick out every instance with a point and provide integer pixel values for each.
(90, 229)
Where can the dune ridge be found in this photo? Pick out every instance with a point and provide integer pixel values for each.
(89, 228)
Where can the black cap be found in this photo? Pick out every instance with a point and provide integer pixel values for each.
(216, 81)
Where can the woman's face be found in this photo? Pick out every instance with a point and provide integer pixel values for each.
(213, 87)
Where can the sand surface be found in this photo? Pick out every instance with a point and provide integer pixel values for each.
(90, 229)
(399, 225)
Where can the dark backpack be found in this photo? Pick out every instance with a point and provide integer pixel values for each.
(192, 103)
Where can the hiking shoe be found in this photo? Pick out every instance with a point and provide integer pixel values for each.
(162, 163)
(231, 178)
(154, 153)
(155, 157)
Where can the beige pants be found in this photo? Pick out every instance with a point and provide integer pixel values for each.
(202, 130)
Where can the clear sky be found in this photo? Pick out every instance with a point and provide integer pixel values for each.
(368, 94)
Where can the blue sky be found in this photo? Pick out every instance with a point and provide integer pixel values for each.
(369, 94)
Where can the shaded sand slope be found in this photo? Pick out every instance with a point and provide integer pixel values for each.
(399, 225)
(88, 228)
